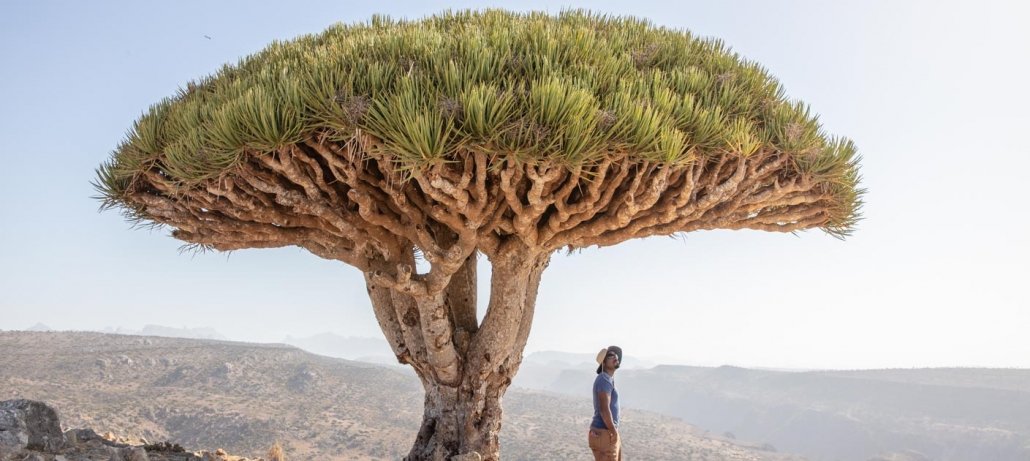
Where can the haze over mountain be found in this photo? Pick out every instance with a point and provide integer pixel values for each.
(857, 415)
(915, 414)
(365, 349)
(376, 350)
(170, 332)
(243, 397)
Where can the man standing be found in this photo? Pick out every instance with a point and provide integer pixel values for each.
(604, 437)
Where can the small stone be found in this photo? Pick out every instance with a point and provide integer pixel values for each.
(220, 452)
(85, 434)
(467, 457)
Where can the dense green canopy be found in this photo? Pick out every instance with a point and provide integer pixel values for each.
(572, 88)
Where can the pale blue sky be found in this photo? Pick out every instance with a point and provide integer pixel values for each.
(933, 93)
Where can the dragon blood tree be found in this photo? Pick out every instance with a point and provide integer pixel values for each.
(495, 133)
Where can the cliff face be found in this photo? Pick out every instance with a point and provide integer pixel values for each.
(244, 397)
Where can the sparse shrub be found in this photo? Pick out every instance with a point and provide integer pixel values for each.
(164, 447)
(276, 452)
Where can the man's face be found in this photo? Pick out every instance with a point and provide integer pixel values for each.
(611, 361)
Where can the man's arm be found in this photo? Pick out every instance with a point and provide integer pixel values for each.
(604, 400)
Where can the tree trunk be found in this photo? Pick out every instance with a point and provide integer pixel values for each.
(465, 367)
(459, 420)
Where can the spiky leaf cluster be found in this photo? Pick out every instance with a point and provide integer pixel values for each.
(573, 88)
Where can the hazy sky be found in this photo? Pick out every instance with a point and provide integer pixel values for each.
(934, 93)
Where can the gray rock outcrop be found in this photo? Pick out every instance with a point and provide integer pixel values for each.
(31, 431)
(31, 425)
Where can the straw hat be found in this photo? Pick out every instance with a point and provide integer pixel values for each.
(603, 354)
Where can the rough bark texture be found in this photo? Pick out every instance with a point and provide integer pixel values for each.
(348, 201)
(463, 407)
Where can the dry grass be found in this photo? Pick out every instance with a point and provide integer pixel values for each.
(276, 453)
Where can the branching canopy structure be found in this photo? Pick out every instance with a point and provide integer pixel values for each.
(494, 133)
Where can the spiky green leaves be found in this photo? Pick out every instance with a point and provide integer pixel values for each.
(485, 111)
(571, 88)
(410, 124)
(836, 164)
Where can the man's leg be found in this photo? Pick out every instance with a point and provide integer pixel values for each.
(603, 445)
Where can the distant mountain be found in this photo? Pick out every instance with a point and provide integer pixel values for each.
(171, 332)
(243, 397)
(540, 369)
(38, 327)
(990, 378)
(373, 350)
(581, 360)
(929, 414)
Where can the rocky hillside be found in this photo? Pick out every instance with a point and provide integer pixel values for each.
(244, 397)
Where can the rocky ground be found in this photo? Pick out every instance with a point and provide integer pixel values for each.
(31, 431)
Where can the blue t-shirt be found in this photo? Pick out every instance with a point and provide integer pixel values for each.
(606, 384)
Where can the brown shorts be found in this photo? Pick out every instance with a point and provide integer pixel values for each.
(604, 446)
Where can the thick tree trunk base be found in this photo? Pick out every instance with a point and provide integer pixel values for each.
(458, 425)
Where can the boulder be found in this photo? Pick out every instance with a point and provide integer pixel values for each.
(29, 425)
